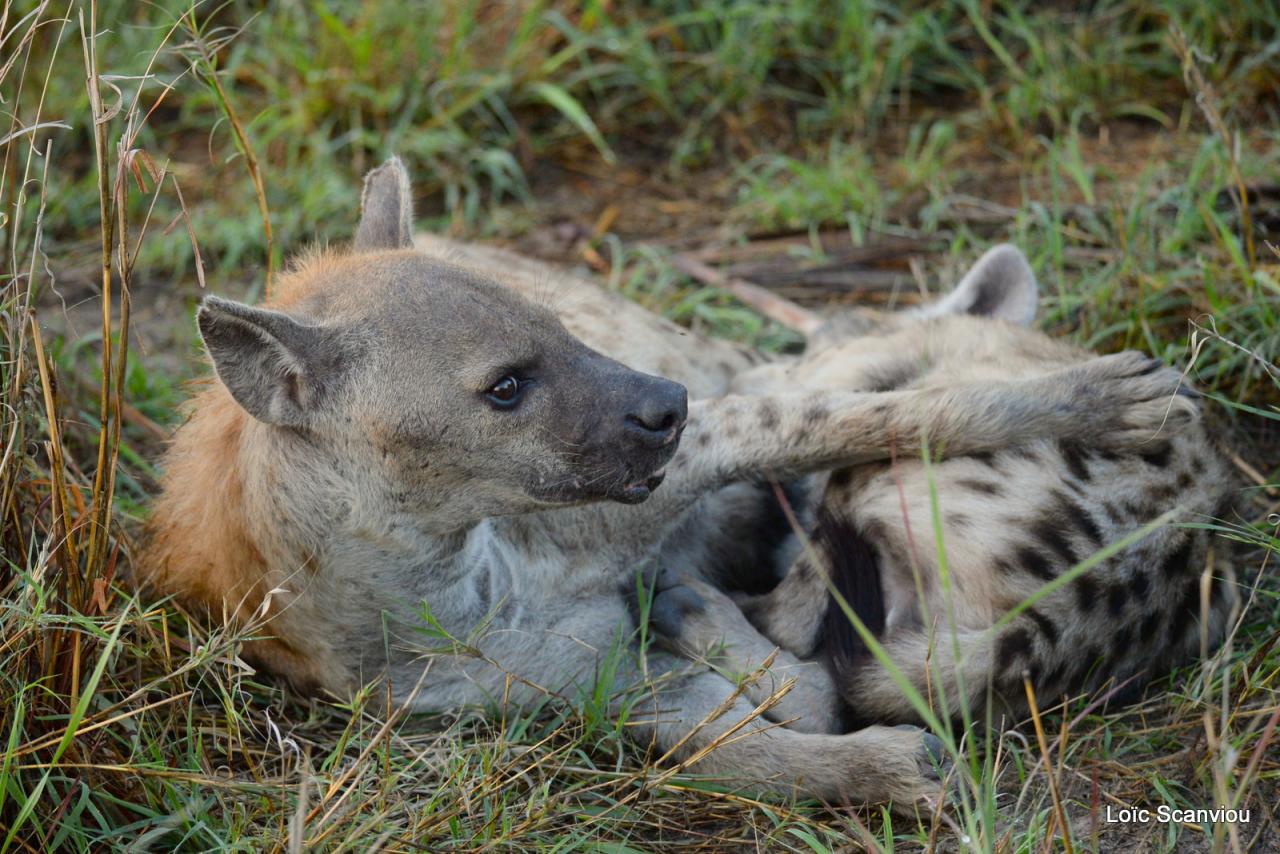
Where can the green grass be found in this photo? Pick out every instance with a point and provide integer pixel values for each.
(1077, 134)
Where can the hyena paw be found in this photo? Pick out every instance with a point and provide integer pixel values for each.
(690, 615)
(1131, 397)
(912, 766)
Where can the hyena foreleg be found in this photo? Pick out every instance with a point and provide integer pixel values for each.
(1116, 400)
(696, 716)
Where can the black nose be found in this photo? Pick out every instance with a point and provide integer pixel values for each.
(658, 414)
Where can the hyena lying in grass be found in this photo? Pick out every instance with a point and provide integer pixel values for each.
(399, 446)
(1009, 520)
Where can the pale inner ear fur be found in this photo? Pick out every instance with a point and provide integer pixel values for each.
(386, 204)
(263, 358)
(1000, 285)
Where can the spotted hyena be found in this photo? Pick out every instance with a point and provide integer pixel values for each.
(954, 564)
(407, 443)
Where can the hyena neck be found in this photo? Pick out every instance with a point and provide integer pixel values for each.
(255, 526)
(306, 510)
(205, 534)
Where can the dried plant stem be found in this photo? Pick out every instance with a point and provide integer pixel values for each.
(242, 139)
(101, 495)
(1049, 771)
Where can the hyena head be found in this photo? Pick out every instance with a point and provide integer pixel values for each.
(1000, 286)
(435, 386)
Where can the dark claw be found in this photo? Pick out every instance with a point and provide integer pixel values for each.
(1188, 391)
(937, 753)
(1153, 365)
(933, 759)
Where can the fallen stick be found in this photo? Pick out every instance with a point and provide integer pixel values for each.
(769, 304)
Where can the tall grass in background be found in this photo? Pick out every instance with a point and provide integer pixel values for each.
(149, 148)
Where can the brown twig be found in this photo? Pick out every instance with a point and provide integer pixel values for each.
(1049, 771)
(766, 302)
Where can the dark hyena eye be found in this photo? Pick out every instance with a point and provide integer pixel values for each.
(505, 393)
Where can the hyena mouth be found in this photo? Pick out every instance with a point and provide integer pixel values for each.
(637, 491)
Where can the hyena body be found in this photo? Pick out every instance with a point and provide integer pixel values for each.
(934, 557)
(395, 435)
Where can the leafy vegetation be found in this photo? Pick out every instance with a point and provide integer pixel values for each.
(1131, 147)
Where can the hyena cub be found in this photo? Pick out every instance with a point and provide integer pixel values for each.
(998, 526)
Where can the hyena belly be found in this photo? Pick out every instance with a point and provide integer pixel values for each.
(1006, 525)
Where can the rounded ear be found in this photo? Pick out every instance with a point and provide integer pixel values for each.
(275, 367)
(386, 205)
(1001, 285)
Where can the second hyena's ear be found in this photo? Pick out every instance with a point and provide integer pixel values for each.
(386, 209)
(275, 367)
(1001, 285)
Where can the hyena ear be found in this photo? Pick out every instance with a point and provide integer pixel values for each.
(386, 219)
(274, 366)
(1001, 285)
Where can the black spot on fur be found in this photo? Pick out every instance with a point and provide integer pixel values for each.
(1184, 613)
(987, 458)
(1014, 646)
(984, 487)
(1150, 625)
(840, 479)
(855, 574)
(1139, 584)
(1072, 510)
(1035, 563)
(892, 377)
(1085, 522)
(816, 413)
(1005, 566)
(1051, 532)
(1139, 512)
(1074, 456)
(1046, 626)
(1120, 644)
(1158, 457)
(768, 415)
(1086, 593)
(1177, 561)
(1117, 598)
